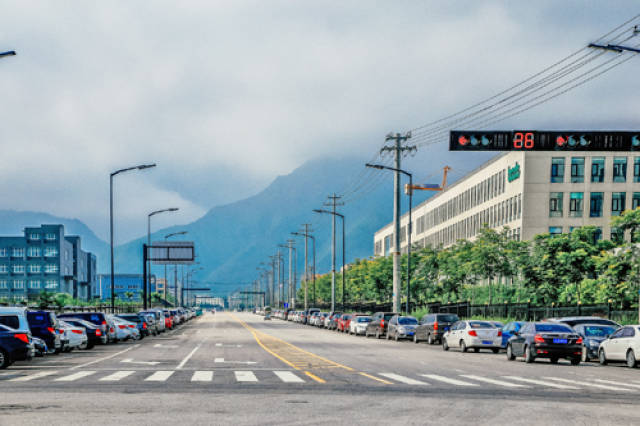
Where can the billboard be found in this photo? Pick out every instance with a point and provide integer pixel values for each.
(171, 252)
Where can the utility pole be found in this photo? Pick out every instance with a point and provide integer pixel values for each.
(333, 203)
(399, 150)
(306, 234)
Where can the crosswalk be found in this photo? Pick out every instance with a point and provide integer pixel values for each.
(509, 382)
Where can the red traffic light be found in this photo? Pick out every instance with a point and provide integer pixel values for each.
(463, 140)
(561, 141)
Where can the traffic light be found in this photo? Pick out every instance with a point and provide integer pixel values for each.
(635, 141)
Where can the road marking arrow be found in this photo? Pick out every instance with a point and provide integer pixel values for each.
(131, 361)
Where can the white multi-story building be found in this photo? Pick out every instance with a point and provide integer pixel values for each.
(531, 193)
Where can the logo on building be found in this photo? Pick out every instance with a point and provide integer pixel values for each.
(513, 173)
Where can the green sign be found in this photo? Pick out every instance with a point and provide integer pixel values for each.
(513, 173)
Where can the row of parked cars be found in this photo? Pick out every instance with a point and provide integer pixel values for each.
(25, 333)
(577, 339)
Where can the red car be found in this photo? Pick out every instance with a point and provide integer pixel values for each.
(343, 322)
(168, 320)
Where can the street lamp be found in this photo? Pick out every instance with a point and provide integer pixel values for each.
(140, 167)
(166, 283)
(333, 267)
(393, 169)
(171, 209)
(190, 273)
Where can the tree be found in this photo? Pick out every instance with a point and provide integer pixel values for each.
(629, 220)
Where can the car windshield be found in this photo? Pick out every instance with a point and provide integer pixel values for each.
(480, 324)
(407, 321)
(447, 318)
(598, 330)
(364, 319)
(553, 328)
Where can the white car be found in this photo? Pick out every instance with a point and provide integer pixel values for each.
(76, 336)
(358, 324)
(474, 335)
(622, 346)
(125, 330)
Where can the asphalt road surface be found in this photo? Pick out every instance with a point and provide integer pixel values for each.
(237, 368)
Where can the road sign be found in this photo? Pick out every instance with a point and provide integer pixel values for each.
(173, 252)
(544, 140)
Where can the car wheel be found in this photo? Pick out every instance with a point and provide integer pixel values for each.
(377, 334)
(510, 355)
(528, 356)
(415, 338)
(388, 335)
(495, 350)
(429, 339)
(575, 361)
(602, 357)
(396, 336)
(84, 346)
(90, 346)
(463, 346)
(631, 359)
(476, 350)
(4, 359)
(553, 360)
(445, 345)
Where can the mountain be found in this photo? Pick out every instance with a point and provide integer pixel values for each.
(13, 222)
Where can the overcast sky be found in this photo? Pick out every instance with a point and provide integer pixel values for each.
(226, 95)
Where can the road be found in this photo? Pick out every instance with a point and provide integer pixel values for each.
(237, 368)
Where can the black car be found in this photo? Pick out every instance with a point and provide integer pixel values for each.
(592, 335)
(94, 332)
(379, 323)
(44, 324)
(15, 345)
(545, 340)
(433, 326)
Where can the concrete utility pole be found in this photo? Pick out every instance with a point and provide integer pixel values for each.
(399, 151)
(333, 203)
(306, 234)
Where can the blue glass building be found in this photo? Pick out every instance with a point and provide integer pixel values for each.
(124, 283)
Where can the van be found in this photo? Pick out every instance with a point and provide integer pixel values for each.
(44, 325)
(14, 317)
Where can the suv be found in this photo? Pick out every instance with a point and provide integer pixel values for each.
(433, 326)
(379, 323)
(15, 345)
(44, 325)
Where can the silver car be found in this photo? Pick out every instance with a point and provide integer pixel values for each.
(401, 327)
(474, 335)
(358, 324)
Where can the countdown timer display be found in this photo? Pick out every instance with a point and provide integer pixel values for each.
(543, 140)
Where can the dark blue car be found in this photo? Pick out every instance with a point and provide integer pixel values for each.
(508, 329)
(15, 345)
(44, 324)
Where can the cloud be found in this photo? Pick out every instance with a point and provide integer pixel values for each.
(226, 95)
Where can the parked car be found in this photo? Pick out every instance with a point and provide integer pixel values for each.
(401, 327)
(44, 324)
(14, 317)
(313, 317)
(509, 329)
(159, 319)
(322, 319)
(331, 322)
(93, 331)
(433, 326)
(39, 346)
(75, 337)
(124, 329)
(98, 318)
(592, 336)
(573, 321)
(622, 346)
(545, 340)
(15, 345)
(310, 313)
(168, 319)
(358, 324)
(474, 335)
(140, 321)
(378, 325)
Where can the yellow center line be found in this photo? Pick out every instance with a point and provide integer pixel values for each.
(314, 377)
(376, 378)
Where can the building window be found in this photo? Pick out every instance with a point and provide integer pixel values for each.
(33, 252)
(597, 235)
(555, 204)
(34, 269)
(50, 251)
(636, 169)
(557, 170)
(575, 204)
(617, 235)
(34, 284)
(34, 236)
(595, 204)
(635, 201)
(617, 203)
(51, 284)
(17, 252)
(3, 285)
(577, 169)
(18, 284)
(18, 269)
(3, 252)
(619, 169)
(555, 230)
(51, 268)
(597, 169)
(51, 236)
(3, 269)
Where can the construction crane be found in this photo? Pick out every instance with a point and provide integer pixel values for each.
(408, 189)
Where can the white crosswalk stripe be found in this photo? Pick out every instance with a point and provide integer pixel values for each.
(117, 376)
(493, 381)
(159, 376)
(245, 376)
(611, 382)
(403, 379)
(448, 380)
(288, 377)
(541, 382)
(593, 385)
(34, 376)
(202, 376)
(75, 376)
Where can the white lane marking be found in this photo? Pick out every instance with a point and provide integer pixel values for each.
(131, 361)
(33, 376)
(540, 382)
(218, 344)
(245, 376)
(188, 357)
(288, 377)
(159, 376)
(160, 345)
(118, 375)
(611, 382)
(202, 376)
(75, 376)
(594, 385)
(493, 381)
(104, 358)
(218, 360)
(403, 379)
(448, 380)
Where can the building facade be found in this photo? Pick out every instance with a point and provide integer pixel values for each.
(124, 284)
(45, 259)
(531, 193)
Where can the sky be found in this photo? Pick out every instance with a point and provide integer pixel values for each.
(225, 95)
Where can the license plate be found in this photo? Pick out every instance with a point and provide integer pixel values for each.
(487, 342)
(560, 341)
(410, 333)
(446, 329)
